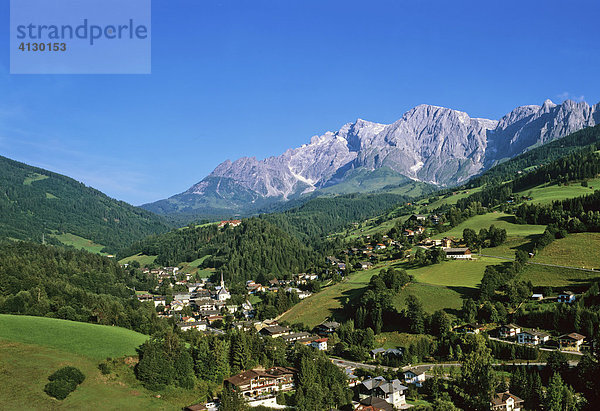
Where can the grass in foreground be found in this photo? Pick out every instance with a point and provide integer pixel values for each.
(24, 371)
(32, 348)
(90, 340)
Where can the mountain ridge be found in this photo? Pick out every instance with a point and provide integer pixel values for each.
(35, 202)
(430, 144)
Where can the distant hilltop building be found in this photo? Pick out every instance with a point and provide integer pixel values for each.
(232, 223)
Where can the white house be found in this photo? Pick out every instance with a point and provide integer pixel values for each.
(193, 325)
(571, 341)
(159, 300)
(566, 297)
(505, 401)
(320, 344)
(509, 331)
(458, 253)
(415, 376)
(533, 337)
(390, 391)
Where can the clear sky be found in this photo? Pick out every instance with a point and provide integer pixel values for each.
(235, 78)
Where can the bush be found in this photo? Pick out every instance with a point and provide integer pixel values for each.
(104, 368)
(60, 389)
(63, 382)
(68, 374)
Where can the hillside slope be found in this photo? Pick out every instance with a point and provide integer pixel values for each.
(34, 201)
(32, 348)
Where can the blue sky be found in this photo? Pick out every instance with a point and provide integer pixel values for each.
(235, 78)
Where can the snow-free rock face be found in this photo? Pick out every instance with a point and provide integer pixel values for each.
(429, 143)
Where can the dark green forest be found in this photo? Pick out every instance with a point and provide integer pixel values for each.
(325, 215)
(50, 281)
(35, 201)
(254, 248)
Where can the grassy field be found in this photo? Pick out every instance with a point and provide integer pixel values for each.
(193, 267)
(547, 193)
(453, 273)
(79, 242)
(34, 177)
(439, 286)
(450, 200)
(557, 277)
(396, 339)
(33, 348)
(90, 340)
(318, 307)
(140, 258)
(500, 220)
(434, 297)
(575, 250)
(509, 247)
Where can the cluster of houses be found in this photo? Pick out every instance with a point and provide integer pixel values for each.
(207, 305)
(289, 285)
(260, 386)
(572, 341)
(527, 336)
(209, 302)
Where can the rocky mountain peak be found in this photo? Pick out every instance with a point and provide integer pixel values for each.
(427, 143)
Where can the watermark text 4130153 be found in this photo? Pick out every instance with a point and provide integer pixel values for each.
(59, 37)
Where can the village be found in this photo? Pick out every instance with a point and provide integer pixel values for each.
(207, 308)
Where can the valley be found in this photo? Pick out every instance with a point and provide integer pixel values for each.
(377, 269)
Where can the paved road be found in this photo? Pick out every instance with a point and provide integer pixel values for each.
(546, 265)
(353, 364)
(540, 348)
(346, 363)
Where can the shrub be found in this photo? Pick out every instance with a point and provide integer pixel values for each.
(68, 374)
(60, 389)
(104, 368)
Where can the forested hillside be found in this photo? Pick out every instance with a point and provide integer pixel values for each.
(75, 285)
(256, 247)
(538, 156)
(35, 201)
(324, 215)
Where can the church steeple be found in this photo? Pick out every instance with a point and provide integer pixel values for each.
(222, 282)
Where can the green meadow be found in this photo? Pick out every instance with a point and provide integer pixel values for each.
(540, 275)
(79, 242)
(318, 307)
(547, 193)
(498, 219)
(32, 348)
(575, 250)
(438, 286)
(144, 260)
(34, 177)
(90, 340)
